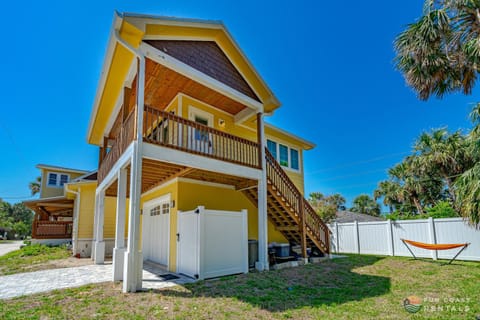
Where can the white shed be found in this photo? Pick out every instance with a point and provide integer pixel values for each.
(212, 243)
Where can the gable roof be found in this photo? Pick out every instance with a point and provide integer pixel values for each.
(135, 28)
(57, 168)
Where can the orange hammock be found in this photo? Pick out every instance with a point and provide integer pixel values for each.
(428, 246)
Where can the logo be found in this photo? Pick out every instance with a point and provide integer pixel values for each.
(412, 304)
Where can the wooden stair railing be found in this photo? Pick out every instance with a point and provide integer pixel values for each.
(295, 205)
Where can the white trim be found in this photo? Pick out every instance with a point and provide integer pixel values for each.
(291, 135)
(58, 180)
(169, 155)
(206, 104)
(194, 112)
(163, 185)
(243, 115)
(166, 198)
(289, 147)
(56, 168)
(192, 73)
(206, 183)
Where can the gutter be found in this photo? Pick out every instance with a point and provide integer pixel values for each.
(76, 212)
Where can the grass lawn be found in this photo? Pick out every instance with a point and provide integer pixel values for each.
(31, 258)
(357, 287)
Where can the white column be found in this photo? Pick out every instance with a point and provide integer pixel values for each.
(132, 278)
(262, 263)
(433, 238)
(391, 250)
(119, 250)
(99, 255)
(337, 241)
(92, 252)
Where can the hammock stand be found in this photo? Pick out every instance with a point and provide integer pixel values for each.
(446, 246)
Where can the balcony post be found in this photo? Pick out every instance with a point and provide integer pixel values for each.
(262, 263)
(133, 266)
(119, 250)
(99, 255)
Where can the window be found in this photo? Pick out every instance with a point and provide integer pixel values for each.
(283, 155)
(164, 208)
(272, 147)
(294, 159)
(286, 156)
(52, 179)
(57, 180)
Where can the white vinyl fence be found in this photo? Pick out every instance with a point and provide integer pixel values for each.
(383, 237)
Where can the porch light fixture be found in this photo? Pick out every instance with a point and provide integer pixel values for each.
(172, 204)
(221, 123)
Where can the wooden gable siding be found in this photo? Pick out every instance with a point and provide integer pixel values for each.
(207, 57)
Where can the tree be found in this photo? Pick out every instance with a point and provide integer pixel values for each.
(365, 204)
(34, 186)
(440, 52)
(16, 217)
(391, 192)
(326, 206)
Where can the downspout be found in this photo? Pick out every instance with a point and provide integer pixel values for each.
(76, 213)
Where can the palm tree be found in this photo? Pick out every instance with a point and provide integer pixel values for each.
(440, 52)
(391, 192)
(364, 204)
(34, 186)
(443, 154)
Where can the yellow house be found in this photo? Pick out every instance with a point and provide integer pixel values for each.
(188, 170)
(53, 219)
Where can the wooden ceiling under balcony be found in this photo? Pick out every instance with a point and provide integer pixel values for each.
(163, 84)
(156, 173)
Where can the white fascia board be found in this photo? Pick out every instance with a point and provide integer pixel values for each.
(244, 115)
(122, 162)
(57, 168)
(291, 135)
(117, 22)
(136, 18)
(192, 73)
(173, 156)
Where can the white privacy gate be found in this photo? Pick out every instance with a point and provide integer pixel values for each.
(156, 230)
(212, 243)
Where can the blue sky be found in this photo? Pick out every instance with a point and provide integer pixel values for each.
(329, 63)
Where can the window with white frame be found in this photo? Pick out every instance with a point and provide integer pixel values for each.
(57, 180)
(287, 157)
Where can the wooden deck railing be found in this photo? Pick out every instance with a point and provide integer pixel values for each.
(124, 137)
(52, 229)
(166, 129)
(282, 183)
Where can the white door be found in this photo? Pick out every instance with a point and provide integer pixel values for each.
(156, 230)
(188, 242)
(200, 140)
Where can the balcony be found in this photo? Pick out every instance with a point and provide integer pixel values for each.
(52, 229)
(168, 130)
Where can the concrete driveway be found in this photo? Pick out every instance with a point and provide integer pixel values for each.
(6, 246)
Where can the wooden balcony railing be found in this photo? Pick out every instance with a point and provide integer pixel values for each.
(124, 137)
(52, 229)
(301, 208)
(166, 129)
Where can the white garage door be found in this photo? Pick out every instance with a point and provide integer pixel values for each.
(156, 230)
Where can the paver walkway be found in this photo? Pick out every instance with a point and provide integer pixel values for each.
(20, 284)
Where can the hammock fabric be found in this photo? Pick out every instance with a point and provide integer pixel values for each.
(428, 246)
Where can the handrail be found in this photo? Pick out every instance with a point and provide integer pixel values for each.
(284, 185)
(125, 135)
(166, 129)
(51, 229)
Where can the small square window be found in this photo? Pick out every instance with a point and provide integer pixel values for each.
(63, 179)
(294, 159)
(284, 155)
(272, 147)
(52, 179)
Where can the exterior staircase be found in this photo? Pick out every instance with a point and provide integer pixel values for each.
(290, 212)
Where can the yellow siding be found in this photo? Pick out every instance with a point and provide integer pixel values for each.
(87, 211)
(48, 192)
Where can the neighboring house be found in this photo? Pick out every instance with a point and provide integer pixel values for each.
(349, 216)
(53, 219)
(188, 170)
